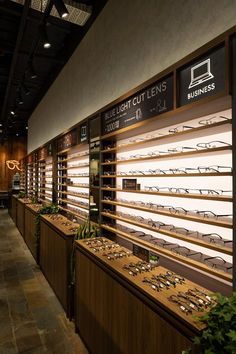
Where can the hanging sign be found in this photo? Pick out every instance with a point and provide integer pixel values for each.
(203, 78)
(150, 102)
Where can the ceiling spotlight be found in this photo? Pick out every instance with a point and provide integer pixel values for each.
(17, 134)
(61, 8)
(0, 124)
(25, 89)
(26, 128)
(32, 73)
(45, 40)
(12, 113)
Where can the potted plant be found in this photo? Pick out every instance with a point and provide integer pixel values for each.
(21, 195)
(219, 335)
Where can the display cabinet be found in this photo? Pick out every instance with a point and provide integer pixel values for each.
(45, 180)
(167, 186)
(137, 306)
(23, 171)
(32, 185)
(73, 181)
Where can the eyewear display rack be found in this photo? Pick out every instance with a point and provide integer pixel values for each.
(170, 191)
(32, 178)
(73, 182)
(22, 175)
(45, 179)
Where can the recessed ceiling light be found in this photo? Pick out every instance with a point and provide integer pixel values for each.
(17, 134)
(26, 128)
(12, 113)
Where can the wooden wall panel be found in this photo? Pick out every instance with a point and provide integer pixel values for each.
(13, 149)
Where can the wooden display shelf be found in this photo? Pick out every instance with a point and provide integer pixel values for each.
(172, 255)
(209, 174)
(46, 189)
(46, 195)
(73, 158)
(72, 167)
(209, 221)
(82, 217)
(168, 156)
(68, 201)
(72, 185)
(74, 194)
(166, 136)
(71, 176)
(221, 198)
(189, 239)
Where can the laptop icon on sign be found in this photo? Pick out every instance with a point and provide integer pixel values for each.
(200, 73)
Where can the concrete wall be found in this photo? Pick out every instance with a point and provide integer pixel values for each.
(130, 41)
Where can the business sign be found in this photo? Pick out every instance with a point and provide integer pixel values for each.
(203, 78)
(150, 102)
(83, 132)
(13, 165)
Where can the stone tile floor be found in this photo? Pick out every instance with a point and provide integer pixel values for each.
(32, 320)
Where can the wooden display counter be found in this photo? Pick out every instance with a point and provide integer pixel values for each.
(31, 211)
(56, 241)
(116, 312)
(13, 209)
(20, 214)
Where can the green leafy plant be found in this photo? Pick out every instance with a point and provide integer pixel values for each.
(219, 335)
(34, 199)
(21, 195)
(86, 230)
(47, 209)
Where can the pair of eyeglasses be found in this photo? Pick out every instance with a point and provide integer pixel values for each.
(212, 144)
(183, 305)
(180, 128)
(218, 263)
(210, 214)
(213, 120)
(216, 238)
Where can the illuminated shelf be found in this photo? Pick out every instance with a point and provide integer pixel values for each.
(203, 220)
(168, 156)
(170, 254)
(208, 174)
(221, 198)
(166, 136)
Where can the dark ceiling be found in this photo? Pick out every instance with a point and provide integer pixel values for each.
(22, 57)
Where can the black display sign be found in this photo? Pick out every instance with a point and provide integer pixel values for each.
(150, 102)
(129, 183)
(66, 141)
(83, 132)
(203, 78)
(49, 149)
(141, 252)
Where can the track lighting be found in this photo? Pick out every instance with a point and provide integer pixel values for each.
(61, 8)
(45, 40)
